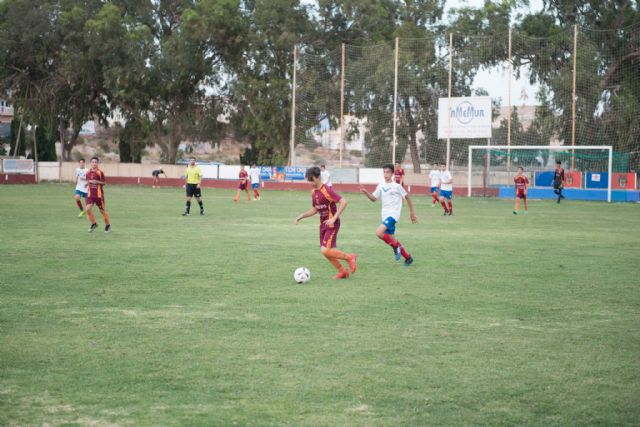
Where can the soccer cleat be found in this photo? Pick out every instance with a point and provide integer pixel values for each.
(186, 214)
(107, 228)
(201, 211)
(515, 212)
(450, 213)
(397, 253)
(81, 214)
(93, 227)
(408, 261)
(344, 274)
(433, 205)
(352, 263)
(445, 213)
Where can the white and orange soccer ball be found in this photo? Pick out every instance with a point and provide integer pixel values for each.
(302, 275)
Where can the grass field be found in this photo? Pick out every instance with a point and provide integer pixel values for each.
(502, 319)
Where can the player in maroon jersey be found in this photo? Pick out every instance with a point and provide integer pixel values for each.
(522, 182)
(398, 174)
(96, 181)
(243, 185)
(329, 205)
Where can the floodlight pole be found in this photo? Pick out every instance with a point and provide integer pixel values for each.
(293, 108)
(342, 106)
(573, 96)
(395, 104)
(449, 101)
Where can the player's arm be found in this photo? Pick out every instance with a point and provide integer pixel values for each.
(412, 213)
(342, 204)
(307, 214)
(368, 194)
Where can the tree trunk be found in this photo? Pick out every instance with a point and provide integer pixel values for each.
(67, 147)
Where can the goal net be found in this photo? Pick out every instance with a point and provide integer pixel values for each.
(493, 167)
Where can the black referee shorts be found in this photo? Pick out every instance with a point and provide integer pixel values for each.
(193, 191)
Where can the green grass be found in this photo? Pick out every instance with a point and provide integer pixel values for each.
(502, 320)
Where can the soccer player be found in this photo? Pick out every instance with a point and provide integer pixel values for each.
(254, 174)
(558, 181)
(329, 205)
(446, 189)
(95, 182)
(398, 174)
(325, 176)
(193, 179)
(156, 177)
(391, 195)
(243, 185)
(434, 180)
(81, 186)
(522, 182)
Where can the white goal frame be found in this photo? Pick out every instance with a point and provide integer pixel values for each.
(609, 148)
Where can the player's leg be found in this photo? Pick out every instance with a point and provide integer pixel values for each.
(90, 217)
(246, 189)
(385, 232)
(105, 216)
(187, 208)
(79, 202)
(524, 200)
(434, 197)
(237, 196)
(517, 208)
(449, 197)
(444, 206)
(328, 243)
(200, 203)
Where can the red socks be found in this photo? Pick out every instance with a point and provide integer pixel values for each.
(79, 203)
(450, 206)
(444, 206)
(391, 241)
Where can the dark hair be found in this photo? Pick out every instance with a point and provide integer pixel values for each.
(559, 163)
(323, 166)
(397, 163)
(520, 167)
(81, 159)
(312, 172)
(97, 159)
(192, 158)
(389, 167)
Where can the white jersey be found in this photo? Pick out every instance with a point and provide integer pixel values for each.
(254, 173)
(325, 177)
(446, 176)
(434, 178)
(81, 175)
(391, 195)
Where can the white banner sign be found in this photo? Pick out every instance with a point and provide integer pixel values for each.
(469, 117)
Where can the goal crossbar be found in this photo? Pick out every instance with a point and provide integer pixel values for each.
(609, 148)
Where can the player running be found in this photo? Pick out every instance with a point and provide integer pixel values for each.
(254, 174)
(95, 183)
(446, 189)
(81, 186)
(192, 182)
(398, 174)
(522, 182)
(243, 184)
(558, 181)
(330, 206)
(391, 195)
(434, 180)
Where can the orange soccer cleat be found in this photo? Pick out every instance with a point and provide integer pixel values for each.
(344, 274)
(352, 263)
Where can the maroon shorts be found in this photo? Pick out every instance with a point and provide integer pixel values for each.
(242, 186)
(98, 201)
(329, 235)
(520, 194)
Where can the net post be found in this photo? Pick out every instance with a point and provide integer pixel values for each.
(469, 172)
(395, 103)
(293, 108)
(610, 149)
(573, 97)
(342, 105)
(510, 108)
(449, 101)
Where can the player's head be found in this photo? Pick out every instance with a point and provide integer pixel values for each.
(81, 163)
(520, 170)
(313, 174)
(397, 165)
(94, 162)
(253, 164)
(387, 170)
(322, 167)
(558, 164)
(192, 161)
(443, 166)
(241, 167)
(436, 165)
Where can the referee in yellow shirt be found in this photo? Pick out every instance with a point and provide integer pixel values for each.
(193, 178)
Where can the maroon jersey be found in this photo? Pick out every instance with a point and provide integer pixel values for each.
(95, 190)
(243, 176)
(324, 199)
(521, 182)
(398, 174)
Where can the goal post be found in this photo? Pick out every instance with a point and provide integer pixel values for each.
(590, 159)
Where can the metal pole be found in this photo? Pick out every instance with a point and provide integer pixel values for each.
(449, 103)
(342, 106)
(35, 150)
(510, 107)
(293, 109)
(15, 149)
(573, 112)
(469, 174)
(610, 170)
(395, 104)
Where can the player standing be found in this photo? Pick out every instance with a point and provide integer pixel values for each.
(522, 182)
(156, 177)
(558, 181)
(96, 181)
(398, 174)
(330, 206)
(391, 195)
(254, 174)
(81, 186)
(434, 180)
(446, 189)
(243, 185)
(193, 179)
(325, 176)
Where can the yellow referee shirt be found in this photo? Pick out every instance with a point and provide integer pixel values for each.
(194, 175)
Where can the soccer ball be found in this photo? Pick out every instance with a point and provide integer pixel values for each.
(302, 275)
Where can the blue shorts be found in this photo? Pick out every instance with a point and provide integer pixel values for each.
(81, 194)
(434, 189)
(390, 223)
(255, 185)
(446, 194)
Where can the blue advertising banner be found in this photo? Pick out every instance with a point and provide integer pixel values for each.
(544, 179)
(597, 180)
(295, 173)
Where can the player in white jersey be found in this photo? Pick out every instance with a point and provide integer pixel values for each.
(254, 176)
(81, 186)
(446, 189)
(434, 180)
(391, 195)
(325, 176)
